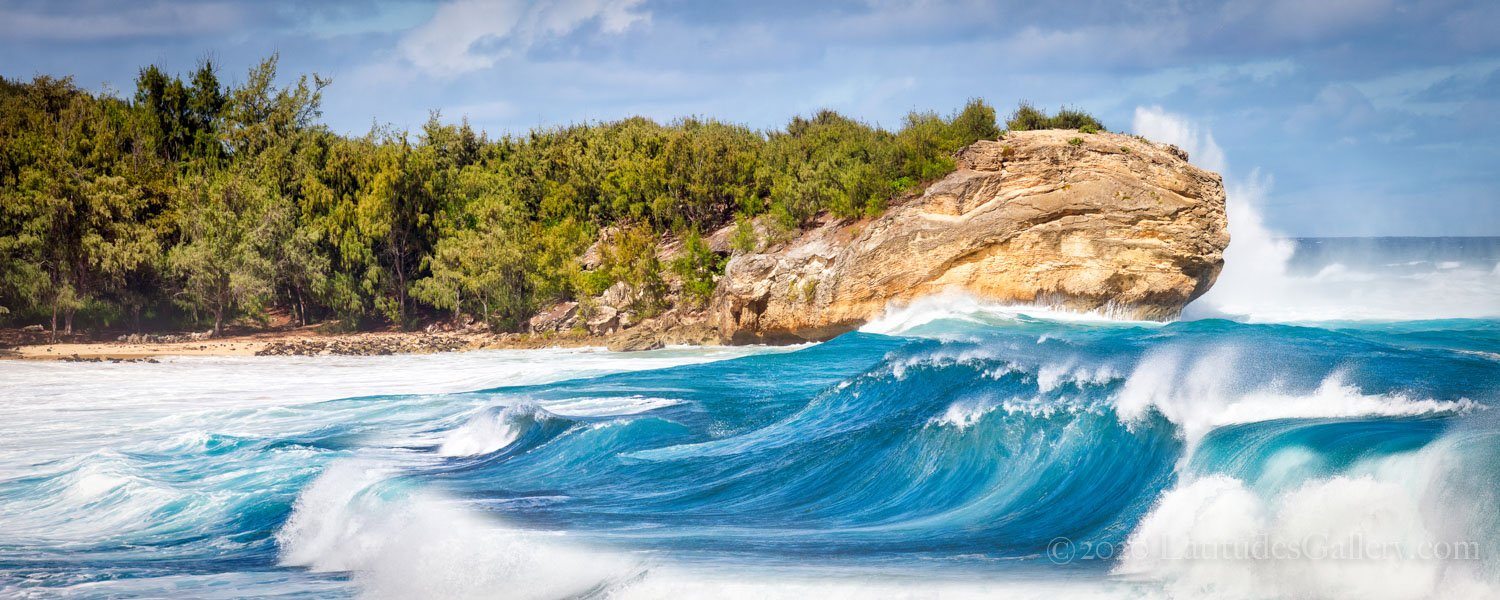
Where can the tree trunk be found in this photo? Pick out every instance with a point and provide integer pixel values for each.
(222, 302)
(53, 329)
(398, 249)
(301, 310)
(68, 321)
(401, 294)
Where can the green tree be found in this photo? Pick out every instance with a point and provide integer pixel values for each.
(74, 227)
(485, 266)
(259, 117)
(224, 259)
(182, 118)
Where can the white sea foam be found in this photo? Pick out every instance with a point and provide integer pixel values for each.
(611, 406)
(1197, 392)
(1257, 285)
(76, 437)
(1339, 293)
(954, 354)
(793, 584)
(1387, 530)
(397, 543)
(491, 430)
(954, 305)
(1049, 378)
(1201, 394)
(53, 411)
(963, 414)
(231, 585)
(103, 495)
(1057, 374)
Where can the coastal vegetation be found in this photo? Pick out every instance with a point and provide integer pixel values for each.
(1030, 118)
(191, 203)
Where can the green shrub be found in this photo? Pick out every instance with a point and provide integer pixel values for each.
(1027, 118)
(630, 257)
(699, 268)
(1068, 118)
(744, 240)
(809, 290)
(1075, 141)
(1030, 118)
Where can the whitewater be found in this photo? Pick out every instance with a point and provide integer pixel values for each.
(1322, 424)
(949, 449)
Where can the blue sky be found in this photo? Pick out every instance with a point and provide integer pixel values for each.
(1356, 117)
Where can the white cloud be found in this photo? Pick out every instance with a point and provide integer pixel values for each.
(469, 35)
(1158, 125)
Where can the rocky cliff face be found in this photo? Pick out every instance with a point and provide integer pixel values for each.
(1078, 221)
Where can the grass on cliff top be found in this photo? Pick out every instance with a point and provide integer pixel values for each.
(1028, 118)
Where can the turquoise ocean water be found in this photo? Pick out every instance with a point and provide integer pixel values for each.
(1340, 404)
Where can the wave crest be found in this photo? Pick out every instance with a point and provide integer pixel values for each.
(401, 544)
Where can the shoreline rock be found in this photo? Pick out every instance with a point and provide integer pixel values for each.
(368, 345)
(1085, 222)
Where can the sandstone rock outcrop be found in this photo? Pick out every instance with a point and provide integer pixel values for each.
(1077, 221)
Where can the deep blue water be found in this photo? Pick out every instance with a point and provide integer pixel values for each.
(945, 456)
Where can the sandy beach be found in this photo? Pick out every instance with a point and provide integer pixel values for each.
(293, 342)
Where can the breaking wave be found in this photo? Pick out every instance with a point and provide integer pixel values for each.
(943, 450)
